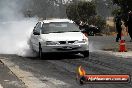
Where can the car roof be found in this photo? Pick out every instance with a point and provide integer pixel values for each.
(57, 20)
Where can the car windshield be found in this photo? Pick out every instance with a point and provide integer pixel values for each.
(58, 27)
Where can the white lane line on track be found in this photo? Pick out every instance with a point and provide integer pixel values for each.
(27, 77)
(1, 86)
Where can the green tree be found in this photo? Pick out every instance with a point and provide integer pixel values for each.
(125, 6)
(116, 11)
(81, 10)
(98, 21)
(85, 11)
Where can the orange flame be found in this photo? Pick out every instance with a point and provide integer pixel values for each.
(81, 71)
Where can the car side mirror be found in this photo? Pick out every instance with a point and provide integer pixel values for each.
(36, 33)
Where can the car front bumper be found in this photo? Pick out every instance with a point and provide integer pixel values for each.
(65, 48)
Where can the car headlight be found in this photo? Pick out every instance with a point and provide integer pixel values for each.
(82, 41)
(51, 43)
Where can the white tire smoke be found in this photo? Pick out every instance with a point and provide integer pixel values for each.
(15, 29)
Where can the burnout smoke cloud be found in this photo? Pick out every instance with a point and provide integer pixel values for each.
(15, 30)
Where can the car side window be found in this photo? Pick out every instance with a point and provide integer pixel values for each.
(37, 28)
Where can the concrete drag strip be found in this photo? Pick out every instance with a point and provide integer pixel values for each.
(119, 54)
(54, 81)
(27, 77)
(67, 66)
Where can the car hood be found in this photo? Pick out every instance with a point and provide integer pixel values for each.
(66, 36)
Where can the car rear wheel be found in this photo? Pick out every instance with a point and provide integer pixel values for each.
(32, 49)
(40, 51)
(85, 54)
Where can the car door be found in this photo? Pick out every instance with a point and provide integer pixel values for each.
(35, 37)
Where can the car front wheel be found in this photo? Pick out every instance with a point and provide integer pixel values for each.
(85, 54)
(40, 51)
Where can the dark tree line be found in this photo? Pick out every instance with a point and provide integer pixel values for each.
(125, 7)
(84, 11)
(81, 11)
(76, 10)
(46, 8)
